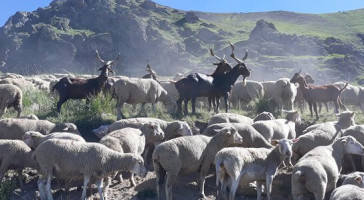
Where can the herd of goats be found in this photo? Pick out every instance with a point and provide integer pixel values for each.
(243, 150)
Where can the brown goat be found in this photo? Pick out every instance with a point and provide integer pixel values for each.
(77, 88)
(322, 93)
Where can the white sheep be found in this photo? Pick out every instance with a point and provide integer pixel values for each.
(252, 138)
(263, 116)
(23, 84)
(284, 94)
(268, 87)
(10, 96)
(33, 138)
(279, 128)
(132, 140)
(66, 159)
(252, 91)
(318, 171)
(349, 191)
(189, 154)
(322, 134)
(11, 128)
(170, 129)
(236, 164)
(16, 155)
(352, 95)
(140, 91)
(229, 118)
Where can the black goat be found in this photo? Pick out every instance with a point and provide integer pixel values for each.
(201, 85)
(77, 88)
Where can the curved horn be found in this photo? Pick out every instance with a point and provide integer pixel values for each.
(212, 53)
(98, 56)
(233, 55)
(116, 59)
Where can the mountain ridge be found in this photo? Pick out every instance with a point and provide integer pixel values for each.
(65, 35)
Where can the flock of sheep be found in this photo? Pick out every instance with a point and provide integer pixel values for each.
(243, 150)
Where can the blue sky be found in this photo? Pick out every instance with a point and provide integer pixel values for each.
(9, 7)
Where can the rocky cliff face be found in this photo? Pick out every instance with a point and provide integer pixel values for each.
(65, 35)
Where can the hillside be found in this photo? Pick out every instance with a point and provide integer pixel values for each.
(64, 36)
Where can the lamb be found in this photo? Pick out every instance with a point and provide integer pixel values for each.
(284, 94)
(67, 159)
(279, 128)
(236, 164)
(322, 134)
(10, 96)
(33, 138)
(252, 91)
(318, 171)
(136, 91)
(189, 154)
(14, 129)
(132, 140)
(252, 138)
(16, 155)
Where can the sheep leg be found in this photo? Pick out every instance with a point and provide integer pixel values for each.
(160, 174)
(234, 187)
(20, 177)
(49, 188)
(142, 109)
(268, 182)
(107, 182)
(119, 107)
(100, 187)
(259, 190)
(203, 172)
(42, 194)
(132, 180)
(171, 177)
(86, 180)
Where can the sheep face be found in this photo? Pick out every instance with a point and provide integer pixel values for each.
(346, 119)
(351, 145)
(293, 116)
(356, 178)
(285, 149)
(156, 130)
(66, 127)
(139, 167)
(235, 137)
(28, 138)
(184, 129)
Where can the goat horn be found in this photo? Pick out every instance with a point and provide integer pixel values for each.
(117, 58)
(212, 53)
(299, 71)
(233, 55)
(98, 56)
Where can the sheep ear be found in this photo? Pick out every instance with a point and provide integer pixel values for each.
(358, 179)
(274, 142)
(295, 140)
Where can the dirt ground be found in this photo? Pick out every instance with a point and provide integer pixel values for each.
(185, 188)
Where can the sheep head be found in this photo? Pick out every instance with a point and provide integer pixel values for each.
(351, 145)
(285, 149)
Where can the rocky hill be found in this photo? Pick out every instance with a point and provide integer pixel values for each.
(64, 36)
